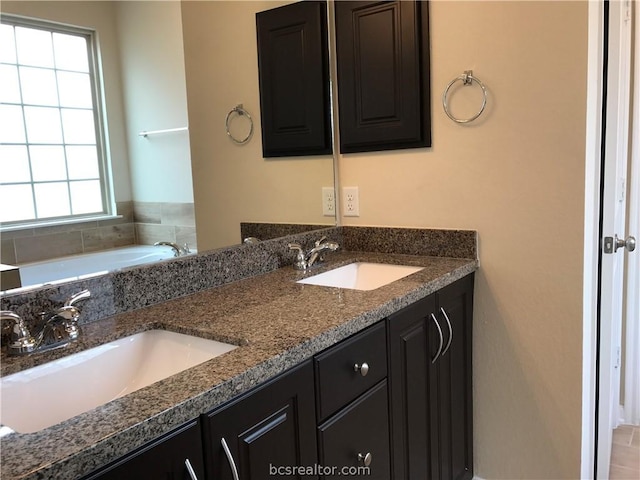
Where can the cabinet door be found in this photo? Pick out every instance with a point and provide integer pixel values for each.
(451, 398)
(383, 75)
(163, 459)
(430, 386)
(354, 443)
(294, 80)
(409, 369)
(267, 431)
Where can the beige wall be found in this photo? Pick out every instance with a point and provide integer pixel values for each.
(232, 183)
(516, 176)
(155, 98)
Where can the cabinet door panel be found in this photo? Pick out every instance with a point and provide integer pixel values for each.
(272, 427)
(360, 428)
(294, 80)
(409, 334)
(383, 75)
(163, 459)
(455, 399)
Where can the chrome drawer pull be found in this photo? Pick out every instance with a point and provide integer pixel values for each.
(232, 463)
(365, 459)
(435, 357)
(192, 473)
(363, 369)
(446, 317)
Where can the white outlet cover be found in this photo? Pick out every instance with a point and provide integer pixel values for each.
(350, 202)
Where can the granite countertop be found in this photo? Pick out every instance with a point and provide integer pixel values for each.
(276, 323)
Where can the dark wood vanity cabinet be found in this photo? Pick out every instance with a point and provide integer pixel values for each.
(383, 75)
(430, 386)
(293, 67)
(394, 397)
(266, 431)
(162, 459)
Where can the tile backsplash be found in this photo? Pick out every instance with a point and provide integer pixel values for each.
(142, 223)
(163, 221)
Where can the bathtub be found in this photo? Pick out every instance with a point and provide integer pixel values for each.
(91, 264)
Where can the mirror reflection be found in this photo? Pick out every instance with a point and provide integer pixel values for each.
(178, 66)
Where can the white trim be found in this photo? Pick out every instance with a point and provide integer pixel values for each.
(631, 413)
(591, 234)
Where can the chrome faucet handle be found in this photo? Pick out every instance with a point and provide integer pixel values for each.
(19, 340)
(322, 239)
(67, 312)
(83, 295)
(300, 262)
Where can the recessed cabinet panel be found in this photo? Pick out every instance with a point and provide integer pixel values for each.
(354, 443)
(162, 459)
(430, 385)
(267, 430)
(383, 75)
(452, 410)
(294, 80)
(409, 389)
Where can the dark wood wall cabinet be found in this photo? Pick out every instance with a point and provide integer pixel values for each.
(390, 402)
(383, 75)
(293, 66)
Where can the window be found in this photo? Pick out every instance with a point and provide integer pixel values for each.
(51, 158)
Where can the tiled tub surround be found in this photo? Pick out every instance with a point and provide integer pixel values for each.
(277, 324)
(165, 221)
(43, 243)
(142, 223)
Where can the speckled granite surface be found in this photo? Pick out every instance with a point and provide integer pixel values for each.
(267, 231)
(277, 324)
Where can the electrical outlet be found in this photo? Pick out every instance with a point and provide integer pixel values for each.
(351, 202)
(328, 201)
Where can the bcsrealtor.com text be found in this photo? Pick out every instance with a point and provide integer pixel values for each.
(318, 470)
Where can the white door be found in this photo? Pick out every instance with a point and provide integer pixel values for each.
(631, 412)
(614, 243)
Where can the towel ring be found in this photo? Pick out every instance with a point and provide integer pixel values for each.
(467, 78)
(242, 112)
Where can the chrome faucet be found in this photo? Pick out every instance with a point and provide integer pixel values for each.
(60, 327)
(178, 251)
(306, 260)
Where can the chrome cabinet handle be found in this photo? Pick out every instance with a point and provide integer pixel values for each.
(365, 459)
(446, 317)
(435, 357)
(363, 369)
(192, 473)
(232, 463)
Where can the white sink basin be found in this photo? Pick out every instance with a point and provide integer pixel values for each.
(56, 391)
(361, 275)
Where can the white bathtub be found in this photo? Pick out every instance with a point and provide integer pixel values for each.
(91, 264)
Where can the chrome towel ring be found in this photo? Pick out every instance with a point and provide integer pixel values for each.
(467, 78)
(238, 110)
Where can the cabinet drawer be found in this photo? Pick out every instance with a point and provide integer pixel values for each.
(358, 432)
(338, 381)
